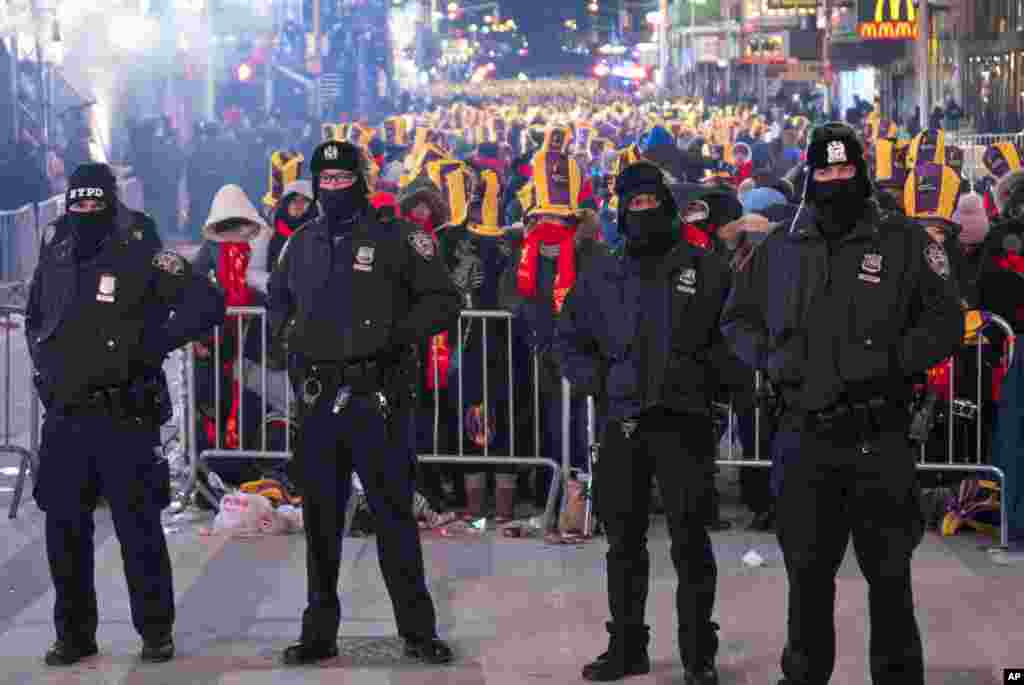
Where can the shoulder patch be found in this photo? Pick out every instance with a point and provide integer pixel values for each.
(937, 259)
(423, 244)
(49, 233)
(171, 262)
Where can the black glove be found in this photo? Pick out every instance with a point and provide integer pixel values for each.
(784, 366)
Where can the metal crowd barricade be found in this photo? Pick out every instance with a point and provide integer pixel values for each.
(240, 314)
(12, 319)
(967, 409)
(974, 146)
(197, 459)
(483, 316)
(19, 244)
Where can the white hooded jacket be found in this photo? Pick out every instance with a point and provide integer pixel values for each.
(233, 219)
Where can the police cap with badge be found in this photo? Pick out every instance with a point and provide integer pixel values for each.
(341, 156)
(835, 144)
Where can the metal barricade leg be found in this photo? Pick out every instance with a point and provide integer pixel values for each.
(19, 484)
(592, 447)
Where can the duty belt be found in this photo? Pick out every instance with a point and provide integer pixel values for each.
(842, 410)
(115, 400)
(362, 376)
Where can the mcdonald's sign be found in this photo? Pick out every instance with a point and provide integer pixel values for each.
(887, 20)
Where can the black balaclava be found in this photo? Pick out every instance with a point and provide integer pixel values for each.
(838, 204)
(91, 229)
(287, 219)
(649, 232)
(342, 207)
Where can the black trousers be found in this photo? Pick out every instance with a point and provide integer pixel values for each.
(330, 447)
(679, 449)
(84, 456)
(755, 491)
(829, 491)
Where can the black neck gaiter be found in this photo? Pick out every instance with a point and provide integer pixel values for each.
(91, 231)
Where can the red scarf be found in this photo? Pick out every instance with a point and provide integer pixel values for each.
(283, 229)
(439, 352)
(696, 236)
(1011, 262)
(425, 224)
(548, 234)
(231, 267)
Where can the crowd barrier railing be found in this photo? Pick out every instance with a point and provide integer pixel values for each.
(483, 316)
(19, 244)
(239, 319)
(12, 319)
(974, 146)
(238, 316)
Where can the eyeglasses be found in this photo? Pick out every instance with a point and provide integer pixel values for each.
(337, 177)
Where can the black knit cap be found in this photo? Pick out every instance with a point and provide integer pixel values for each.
(832, 144)
(639, 178)
(92, 181)
(342, 156)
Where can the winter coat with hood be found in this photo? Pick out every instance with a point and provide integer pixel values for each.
(267, 245)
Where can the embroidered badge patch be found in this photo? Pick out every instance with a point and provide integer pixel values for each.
(331, 153)
(872, 263)
(364, 259)
(105, 291)
(170, 262)
(687, 282)
(937, 259)
(836, 152)
(423, 244)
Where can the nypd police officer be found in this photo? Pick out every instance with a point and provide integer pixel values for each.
(105, 308)
(358, 293)
(840, 311)
(640, 332)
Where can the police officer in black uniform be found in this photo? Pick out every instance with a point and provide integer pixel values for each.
(640, 332)
(105, 308)
(360, 293)
(840, 311)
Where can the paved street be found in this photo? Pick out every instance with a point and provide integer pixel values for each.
(517, 611)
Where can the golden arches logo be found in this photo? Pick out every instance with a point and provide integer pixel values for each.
(894, 11)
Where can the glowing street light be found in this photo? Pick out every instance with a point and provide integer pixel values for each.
(453, 7)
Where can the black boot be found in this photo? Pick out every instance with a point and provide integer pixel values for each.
(705, 675)
(66, 653)
(626, 655)
(305, 653)
(157, 651)
(699, 657)
(431, 651)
